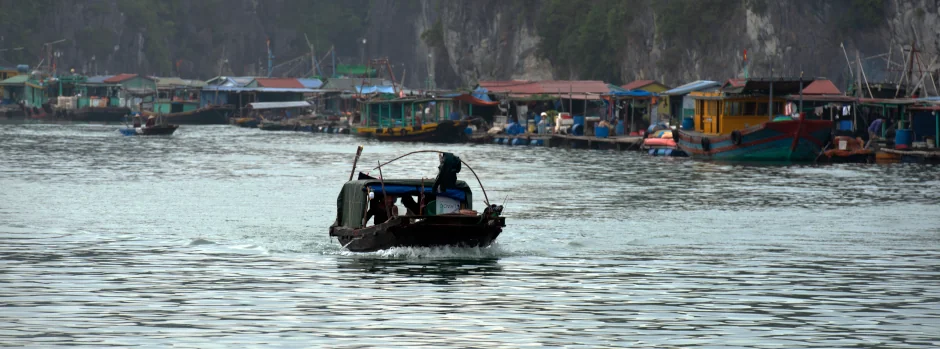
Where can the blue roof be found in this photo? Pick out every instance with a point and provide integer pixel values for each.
(98, 79)
(311, 83)
(374, 89)
(692, 87)
(481, 94)
(632, 93)
(257, 89)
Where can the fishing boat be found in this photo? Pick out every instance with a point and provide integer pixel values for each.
(743, 122)
(432, 120)
(159, 128)
(659, 142)
(442, 214)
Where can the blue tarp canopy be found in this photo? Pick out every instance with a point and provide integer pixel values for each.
(375, 89)
(398, 190)
(482, 94)
(632, 93)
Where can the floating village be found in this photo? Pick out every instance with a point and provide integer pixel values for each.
(743, 118)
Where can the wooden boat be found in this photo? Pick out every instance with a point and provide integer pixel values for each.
(445, 131)
(444, 214)
(735, 125)
(158, 130)
(848, 150)
(787, 140)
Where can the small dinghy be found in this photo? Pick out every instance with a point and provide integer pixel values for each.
(152, 128)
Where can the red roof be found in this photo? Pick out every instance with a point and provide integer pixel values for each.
(735, 83)
(279, 83)
(119, 78)
(637, 84)
(821, 87)
(555, 87)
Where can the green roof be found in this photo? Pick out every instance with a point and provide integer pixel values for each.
(16, 80)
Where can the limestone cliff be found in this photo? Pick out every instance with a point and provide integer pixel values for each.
(459, 42)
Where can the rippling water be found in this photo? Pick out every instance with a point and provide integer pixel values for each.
(217, 237)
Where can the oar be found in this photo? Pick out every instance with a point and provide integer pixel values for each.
(356, 160)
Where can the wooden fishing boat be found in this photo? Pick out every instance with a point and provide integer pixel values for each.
(158, 130)
(446, 131)
(735, 124)
(442, 215)
(781, 140)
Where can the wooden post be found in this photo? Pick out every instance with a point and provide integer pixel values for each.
(770, 102)
(355, 160)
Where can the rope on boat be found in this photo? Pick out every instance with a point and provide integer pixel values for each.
(485, 197)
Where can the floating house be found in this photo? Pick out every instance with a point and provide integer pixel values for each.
(241, 91)
(22, 88)
(681, 106)
(524, 101)
(663, 106)
(176, 95)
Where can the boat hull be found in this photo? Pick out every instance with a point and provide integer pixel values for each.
(443, 132)
(150, 131)
(433, 231)
(796, 140)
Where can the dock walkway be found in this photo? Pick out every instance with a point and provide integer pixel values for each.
(561, 141)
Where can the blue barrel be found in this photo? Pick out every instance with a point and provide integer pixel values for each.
(579, 120)
(468, 131)
(903, 139)
(601, 132)
(845, 125)
(496, 140)
(577, 129)
(688, 123)
(518, 141)
(620, 129)
(538, 119)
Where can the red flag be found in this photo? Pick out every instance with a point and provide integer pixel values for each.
(745, 54)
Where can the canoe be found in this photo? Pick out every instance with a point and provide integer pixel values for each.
(159, 130)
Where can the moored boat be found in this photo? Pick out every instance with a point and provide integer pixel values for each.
(438, 212)
(737, 126)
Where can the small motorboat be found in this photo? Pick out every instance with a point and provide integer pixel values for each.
(442, 214)
(848, 150)
(158, 128)
(149, 131)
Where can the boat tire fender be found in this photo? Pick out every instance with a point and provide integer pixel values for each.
(736, 137)
(706, 144)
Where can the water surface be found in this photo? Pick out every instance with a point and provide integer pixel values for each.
(217, 237)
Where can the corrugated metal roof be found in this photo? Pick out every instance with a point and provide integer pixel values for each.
(98, 79)
(278, 105)
(699, 85)
(549, 87)
(349, 84)
(311, 83)
(16, 80)
(279, 82)
(178, 82)
(257, 89)
(637, 84)
(120, 78)
(821, 87)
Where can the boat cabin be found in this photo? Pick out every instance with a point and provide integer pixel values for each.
(740, 104)
(353, 201)
(175, 95)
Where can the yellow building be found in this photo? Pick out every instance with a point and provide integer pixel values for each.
(6, 73)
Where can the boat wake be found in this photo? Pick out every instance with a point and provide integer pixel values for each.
(442, 252)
